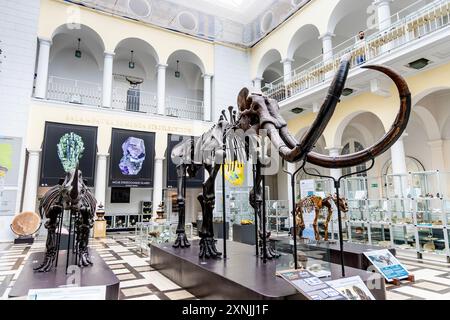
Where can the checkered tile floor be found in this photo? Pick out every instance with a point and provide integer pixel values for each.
(138, 281)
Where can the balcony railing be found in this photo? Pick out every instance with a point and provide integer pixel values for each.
(403, 30)
(74, 91)
(184, 108)
(133, 99)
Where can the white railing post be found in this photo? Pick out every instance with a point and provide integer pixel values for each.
(42, 68)
(107, 79)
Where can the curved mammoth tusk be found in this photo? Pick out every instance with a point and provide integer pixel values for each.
(325, 113)
(292, 151)
(382, 145)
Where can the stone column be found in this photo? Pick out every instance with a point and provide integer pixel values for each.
(31, 182)
(100, 179)
(383, 13)
(207, 97)
(257, 83)
(333, 152)
(327, 48)
(327, 45)
(42, 68)
(287, 69)
(107, 79)
(157, 184)
(437, 155)
(162, 88)
(399, 167)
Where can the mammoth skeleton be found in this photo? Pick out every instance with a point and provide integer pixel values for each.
(260, 115)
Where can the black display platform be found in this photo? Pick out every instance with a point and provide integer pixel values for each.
(242, 276)
(99, 274)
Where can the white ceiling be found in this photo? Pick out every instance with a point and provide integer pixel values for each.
(240, 22)
(242, 11)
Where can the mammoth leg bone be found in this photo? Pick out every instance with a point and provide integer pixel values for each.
(256, 201)
(207, 200)
(181, 241)
(83, 224)
(50, 245)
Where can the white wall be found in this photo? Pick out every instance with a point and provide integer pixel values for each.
(64, 64)
(136, 196)
(18, 34)
(231, 74)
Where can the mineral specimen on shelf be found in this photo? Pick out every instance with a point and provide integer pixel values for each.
(70, 150)
(133, 156)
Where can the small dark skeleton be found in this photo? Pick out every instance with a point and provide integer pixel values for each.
(260, 116)
(316, 203)
(72, 195)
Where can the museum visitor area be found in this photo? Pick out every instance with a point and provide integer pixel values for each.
(227, 150)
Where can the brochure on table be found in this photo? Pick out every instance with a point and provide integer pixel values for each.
(352, 288)
(389, 267)
(312, 287)
(68, 293)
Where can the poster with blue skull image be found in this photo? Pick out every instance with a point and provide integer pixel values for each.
(132, 156)
(65, 146)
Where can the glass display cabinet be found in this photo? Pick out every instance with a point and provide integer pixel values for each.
(404, 236)
(241, 212)
(278, 216)
(430, 184)
(397, 186)
(312, 257)
(151, 232)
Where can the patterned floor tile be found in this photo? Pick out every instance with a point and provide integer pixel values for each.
(430, 286)
(136, 291)
(179, 295)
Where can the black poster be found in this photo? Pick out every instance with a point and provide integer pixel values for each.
(63, 145)
(132, 159)
(191, 182)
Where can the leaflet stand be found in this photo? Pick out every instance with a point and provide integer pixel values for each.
(337, 185)
(397, 282)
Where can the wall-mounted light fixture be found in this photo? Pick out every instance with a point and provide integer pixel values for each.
(177, 73)
(78, 51)
(131, 64)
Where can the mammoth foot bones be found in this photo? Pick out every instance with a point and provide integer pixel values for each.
(270, 253)
(47, 264)
(181, 241)
(208, 248)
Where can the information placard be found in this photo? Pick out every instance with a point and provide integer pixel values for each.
(389, 267)
(312, 287)
(68, 293)
(353, 288)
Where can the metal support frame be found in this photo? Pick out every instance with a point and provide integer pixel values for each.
(337, 185)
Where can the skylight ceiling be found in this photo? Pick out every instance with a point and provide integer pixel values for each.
(240, 22)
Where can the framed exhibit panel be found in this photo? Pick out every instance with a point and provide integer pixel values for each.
(10, 156)
(63, 145)
(191, 182)
(132, 159)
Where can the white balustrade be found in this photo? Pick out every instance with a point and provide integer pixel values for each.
(74, 91)
(184, 108)
(405, 27)
(129, 99)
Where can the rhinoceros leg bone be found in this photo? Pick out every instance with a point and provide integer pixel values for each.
(50, 252)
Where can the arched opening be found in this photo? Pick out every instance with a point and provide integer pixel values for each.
(428, 137)
(270, 67)
(184, 85)
(305, 47)
(135, 76)
(75, 67)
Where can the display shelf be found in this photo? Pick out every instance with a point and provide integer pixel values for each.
(430, 184)
(115, 222)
